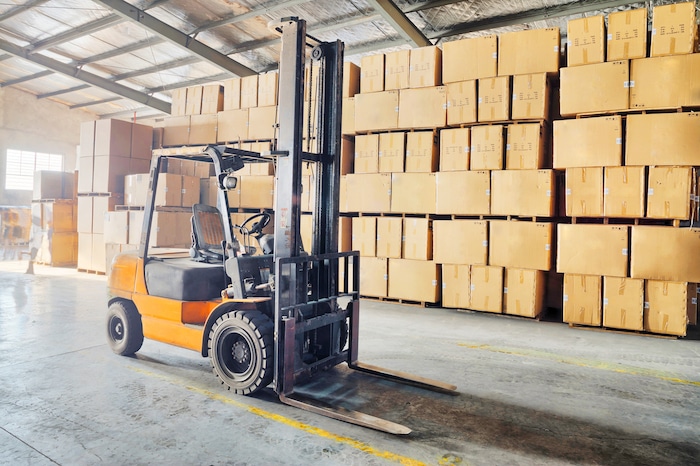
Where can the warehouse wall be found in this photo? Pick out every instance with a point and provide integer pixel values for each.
(36, 125)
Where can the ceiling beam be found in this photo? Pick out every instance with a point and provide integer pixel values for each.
(375, 46)
(94, 102)
(191, 82)
(176, 37)
(156, 68)
(21, 9)
(393, 15)
(24, 79)
(85, 77)
(5, 56)
(122, 113)
(74, 33)
(428, 5)
(142, 44)
(270, 7)
(62, 91)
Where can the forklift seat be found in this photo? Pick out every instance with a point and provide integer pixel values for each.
(182, 279)
(207, 234)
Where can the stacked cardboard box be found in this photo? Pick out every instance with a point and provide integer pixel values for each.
(54, 214)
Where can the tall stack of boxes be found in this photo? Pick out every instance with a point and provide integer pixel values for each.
(54, 211)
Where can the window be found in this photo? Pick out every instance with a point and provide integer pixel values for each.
(21, 166)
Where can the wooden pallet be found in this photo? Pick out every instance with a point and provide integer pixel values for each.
(93, 272)
(623, 331)
(406, 302)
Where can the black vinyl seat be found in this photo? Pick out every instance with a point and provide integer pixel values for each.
(184, 279)
(207, 234)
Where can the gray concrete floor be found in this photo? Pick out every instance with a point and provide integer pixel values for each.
(529, 392)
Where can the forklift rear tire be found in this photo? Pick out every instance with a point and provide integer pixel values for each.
(241, 351)
(124, 330)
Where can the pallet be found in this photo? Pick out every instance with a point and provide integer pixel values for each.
(53, 201)
(406, 302)
(623, 331)
(628, 221)
(130, 208)
(633, 111)
(92, 272)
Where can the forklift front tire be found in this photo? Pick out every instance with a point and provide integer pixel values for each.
(124, 330)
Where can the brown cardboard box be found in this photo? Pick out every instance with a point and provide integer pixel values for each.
(58, 249)
(455, 145)
(85, 172)
(49, 184)
(165, 232)
(486, 288)
(461, 102)
(308, 193)
(531, 100)
(59, 217)
(203, 129)
(588, 142)
(529, 193)
(463, 193)
(529, 51)
(414, 280)
(367, 153)
(169, 190)
(257, 191)
(494, 99)
(232, 125)
(523, 245)
(378, 111)
(212, 98)
(471, 58)
(311, 75)
(370, 192)
(233, 196)
(392, 151)
(593, 249)
(190, 191)
(347, 155)
(158, 136)
(141, 141)
(136, 189)
(422, 108)
(426, 67)
(417, 239)
(456, 286)
(87, 139)
(526, 146)
(623, 303)
(208, 191)
(306, 226)
(100, 206)
(187, 167)
(139, 165)
(667, 306)
(673, 29)
(116, 227)
(413, 193)
(178, 107)
(84, 251)
(193, 106)
(374, 276)
(232, 94)
(663, 253)
(461, 241)
(523, 294)
(389, 236)
(348, 116)
(262, 122)
(670, 192)
(584, 192)
(344, 234)
(582, 299)
(601, 87)
(627, 34)
(372, 73)
(176, 131)
(364, 235)
(249, 91)
(267, 89)
(84, 214)
(585, 40)
(99, 256)
(623, 192)
(351, 79)
(204, 169)
(488, 147)
(663, 139)
(112, 137)
(421, 152)
(674, 75)
(396, 70)
(108, 175)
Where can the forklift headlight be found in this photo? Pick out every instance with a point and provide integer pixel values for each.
(230, 182)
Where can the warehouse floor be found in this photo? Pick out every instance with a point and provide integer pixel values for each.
(529, 392)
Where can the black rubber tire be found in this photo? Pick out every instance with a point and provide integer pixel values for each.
(124, 330)
(241, 351)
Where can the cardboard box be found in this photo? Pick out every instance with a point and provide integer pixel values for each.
(116, 227)
(232, 125)
(178, 107)
(526, 147)
(663, 139)
(417, 240)
(347, 155)
(87, 139)
(461, 241)
(673, 29)
(670, 194)
(523, 294)
(663, 253)
(187, 167)
(624, 192)
(351, 79)
(463, 193)
(99, 256)
(488, 147)
(370, 192)
(308, 193)
(392, 151)
(486, 288)
(141, 141)
(212, 98)
(169, 190)
(389, 237)
(257, 191)
(112, 137)
(109, 172)
(529, 51)
(208, 191)
(582, 299)
(588, 142)
(262, 122)
(49, 184)
(413, 193)
(426, 67)
(531, 100)
(168, 229)
(374, 276)
(461, 102)
(348, 116)
(597, 88)
(667, 306)
(422, 108)
(627, 34)
(139, 165)
(529, 193)
(232, 94)
(396, 70)
(58, 217)
(584, 192)
(414, 280)
(585, 40)
(267, 89)
(135, 226)
(85, 172)
(136, 189)
(311, 80)
(372, 73)
(249, 91)
(523, 245)
(176, 131)
(593, 249)
(364, 235)
(675, 75)
(203, 129)
(378, 111)
(455, 146)
(456, 286)
(193, 105)
(623, 303)
(421, 152)
(471, 58)
(344, 234)
(367, 153)
(190, 191)
(84, 251)
(58, 249)
(494, 99)
(84, 214)
(100, 206)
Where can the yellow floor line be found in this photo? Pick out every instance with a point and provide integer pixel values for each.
(387, 455)
(619, 368)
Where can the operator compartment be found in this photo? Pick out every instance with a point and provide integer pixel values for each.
(184, 279)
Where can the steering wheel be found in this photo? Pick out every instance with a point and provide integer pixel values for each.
(257, 229)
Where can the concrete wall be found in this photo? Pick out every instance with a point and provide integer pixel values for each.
(27, 123)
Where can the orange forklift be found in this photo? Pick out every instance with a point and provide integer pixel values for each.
(274, 318)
